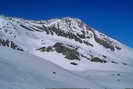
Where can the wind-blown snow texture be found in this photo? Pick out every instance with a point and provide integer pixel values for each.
(61, 53)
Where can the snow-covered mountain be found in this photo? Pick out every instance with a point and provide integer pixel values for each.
(60, 53)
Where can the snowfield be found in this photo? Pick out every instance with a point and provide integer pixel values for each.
(61, 53)
(24, 71)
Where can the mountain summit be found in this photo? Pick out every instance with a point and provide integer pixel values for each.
(56, 49)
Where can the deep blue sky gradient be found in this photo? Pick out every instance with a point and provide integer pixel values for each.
(113, 17)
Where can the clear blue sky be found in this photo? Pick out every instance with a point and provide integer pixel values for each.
(113, 17)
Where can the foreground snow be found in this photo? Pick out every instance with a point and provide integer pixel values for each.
(24, 71)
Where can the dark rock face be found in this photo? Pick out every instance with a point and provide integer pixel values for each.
(70, 53)
(73, 63)
(60, 32)
(67, 51)
(96, 59)
(46, 49)
(117, 47)
(105, 43)
(10, 44)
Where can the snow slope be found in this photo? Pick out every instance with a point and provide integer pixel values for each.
(32, 51)
(25, 71)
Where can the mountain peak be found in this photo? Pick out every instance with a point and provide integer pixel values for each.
(72, 19)
(70, 29)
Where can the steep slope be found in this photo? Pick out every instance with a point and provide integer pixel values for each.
(70, 44)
